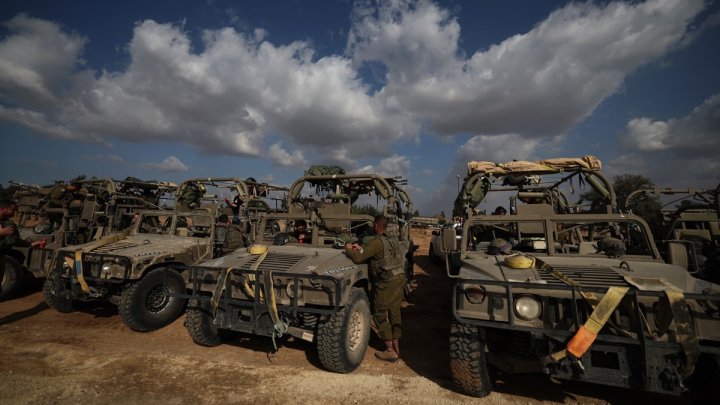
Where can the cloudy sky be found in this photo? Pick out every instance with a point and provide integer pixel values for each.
(174, 89)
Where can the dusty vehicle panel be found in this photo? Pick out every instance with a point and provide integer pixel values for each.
(138, 269)
(309, 290)
(578, 296)
(128, 268)
(99, 207)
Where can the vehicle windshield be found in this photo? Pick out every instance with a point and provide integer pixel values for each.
(198, 225)
(301, 230)
(559, 236)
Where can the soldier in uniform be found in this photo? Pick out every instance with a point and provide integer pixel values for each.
(231, 235)
(388, 282)
(9, 235)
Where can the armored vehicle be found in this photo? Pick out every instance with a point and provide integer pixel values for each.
(302, 285)
(137, 269)
(60, 218)
(578, 296)
(690, 233)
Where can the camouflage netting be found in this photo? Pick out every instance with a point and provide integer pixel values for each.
(557, 165)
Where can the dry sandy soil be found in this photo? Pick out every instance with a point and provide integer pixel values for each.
(91, 357)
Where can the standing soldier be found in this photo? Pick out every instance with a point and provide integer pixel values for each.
(388, 277)
(9, 235)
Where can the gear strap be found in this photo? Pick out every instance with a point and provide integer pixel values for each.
(76, 261)
(685, 334)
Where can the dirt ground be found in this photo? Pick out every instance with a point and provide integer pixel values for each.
(91, 357)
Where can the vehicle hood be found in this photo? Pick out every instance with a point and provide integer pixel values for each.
(292, 259)
(587, 272)
(142, 246)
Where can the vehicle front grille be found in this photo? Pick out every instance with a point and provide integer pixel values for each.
(274, 262)
(589, 276)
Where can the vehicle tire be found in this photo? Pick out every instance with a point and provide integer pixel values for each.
(56, 302)
(146, 306)
(468, 365)
(342, 338)
(200, 326)
(12, 277)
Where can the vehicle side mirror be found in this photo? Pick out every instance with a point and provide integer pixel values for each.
(448, 241)
(453, 264)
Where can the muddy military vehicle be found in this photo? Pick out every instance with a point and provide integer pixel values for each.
(60, 218)
(138, 268)
(306, 287)
(690, 233)
(550, 288)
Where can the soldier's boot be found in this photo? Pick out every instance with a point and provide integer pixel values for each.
(389, 354)
(396, 346)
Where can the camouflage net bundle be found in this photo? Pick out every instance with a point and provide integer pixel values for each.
(558, 165)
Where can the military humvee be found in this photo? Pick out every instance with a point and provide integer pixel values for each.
(100, 207)
(578, 296)
(308, 290)
(691, 228)
(138, 268)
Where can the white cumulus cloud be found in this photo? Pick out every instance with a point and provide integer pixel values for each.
(681, 150)
(283, 158)
(540, 83)
(169, 164)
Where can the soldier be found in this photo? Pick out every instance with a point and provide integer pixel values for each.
(388, 278)
(300, 234)
(230, 236)
(9, 235)
(235, 205)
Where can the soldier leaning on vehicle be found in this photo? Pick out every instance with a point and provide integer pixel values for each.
(9, 235)
(388, 280)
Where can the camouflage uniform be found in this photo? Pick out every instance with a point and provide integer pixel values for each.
(388, 288)
(7, 243)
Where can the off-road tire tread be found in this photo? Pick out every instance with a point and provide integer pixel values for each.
(60, 304)
(468, 365)
(331, 336)
(12, 267)
(199, 324)
(127, 311)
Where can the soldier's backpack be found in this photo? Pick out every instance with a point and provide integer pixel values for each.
(393, 256)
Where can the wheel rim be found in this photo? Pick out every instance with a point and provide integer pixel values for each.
(157, 299)
(356, 332)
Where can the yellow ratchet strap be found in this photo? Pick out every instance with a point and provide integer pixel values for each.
(685, 335)
(586, 335)
(255, 250)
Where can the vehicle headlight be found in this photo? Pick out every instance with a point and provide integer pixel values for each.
(106, 271)
(113, 270)
(527, 308)
(475, 294)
